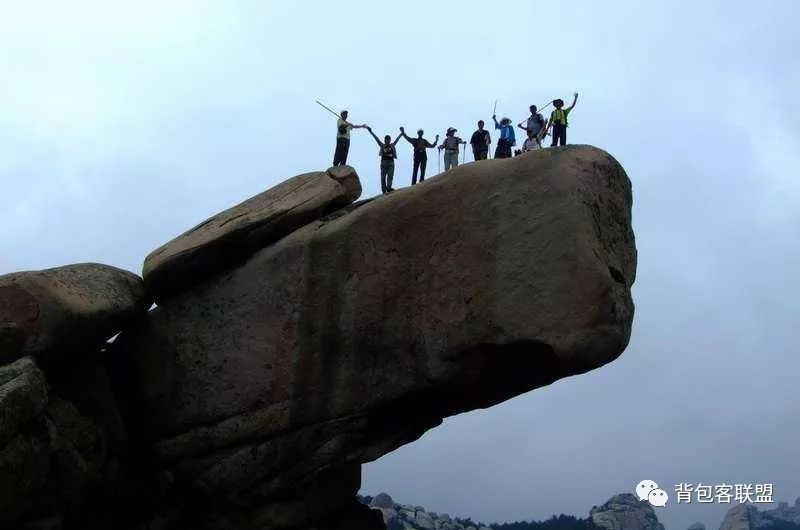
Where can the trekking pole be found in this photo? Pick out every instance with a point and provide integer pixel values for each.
(464, 155)
(327, 108)
(439, 161)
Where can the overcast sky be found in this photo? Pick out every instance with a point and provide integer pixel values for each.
(123, 124)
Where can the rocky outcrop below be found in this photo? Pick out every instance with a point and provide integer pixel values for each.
(407, 517)
(626, 512)
(749, 517)
(294, 341)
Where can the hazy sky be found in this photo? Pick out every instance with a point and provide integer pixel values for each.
(123, 124)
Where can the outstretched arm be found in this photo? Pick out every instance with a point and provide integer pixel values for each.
(574, 100)
(496, 125)
(404, 135)
(523, 127)
(397, 139)
(434, 143)
(373, 135)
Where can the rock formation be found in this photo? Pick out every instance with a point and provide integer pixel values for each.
(746, 516)
(406, 517)
(235, 234)
(626, 512)
(66, 311)
(299, 336)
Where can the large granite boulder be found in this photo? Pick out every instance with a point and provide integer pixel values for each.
(356, 333)
(626, 512)
(231, 236)
(56, 313)
(50, 455)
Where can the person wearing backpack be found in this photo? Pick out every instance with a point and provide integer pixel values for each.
(480, 142)
(535, 124)
(451, 146)
(559, 121)
(343, 128)
(421, 146)
(388, 154)
(507, 140)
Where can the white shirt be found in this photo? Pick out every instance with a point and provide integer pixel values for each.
(530, 145)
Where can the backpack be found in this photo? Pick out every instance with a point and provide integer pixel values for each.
(387, 152)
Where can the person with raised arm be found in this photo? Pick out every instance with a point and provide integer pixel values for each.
(421, 146)
(558, 120)
(388, 154)
(507, 139)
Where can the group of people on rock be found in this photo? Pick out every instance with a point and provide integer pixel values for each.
(535, 127)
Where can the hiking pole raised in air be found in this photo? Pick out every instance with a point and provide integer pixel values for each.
(326, 108)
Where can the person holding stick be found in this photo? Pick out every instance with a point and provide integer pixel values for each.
(507, 140)
(480, 141)
(388, 154)
(559, 122)
(343, 128)
(421, 146)
(534, 124)
(451, 145)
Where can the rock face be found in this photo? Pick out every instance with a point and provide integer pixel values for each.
(697, 526)
(233, 235)
(292, 343)
(740, 517)
(354, 335)
(50, 455)
(748, 517)
(56, 313)
(626, 512)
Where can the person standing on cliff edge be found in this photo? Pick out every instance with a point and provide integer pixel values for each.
(480, 141)
(343, 139)
(388, 154)
(420, 145)
(559, 122)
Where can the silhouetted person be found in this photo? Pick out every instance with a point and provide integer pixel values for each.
(343, 139)
(421, 146)
(480, 142)
(388, 154)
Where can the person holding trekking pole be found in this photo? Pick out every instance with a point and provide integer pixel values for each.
(451, 145)
(559, 122)
(507, 140)
(534, 124)
(388, 154)
(343, 128)
(421, 146)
